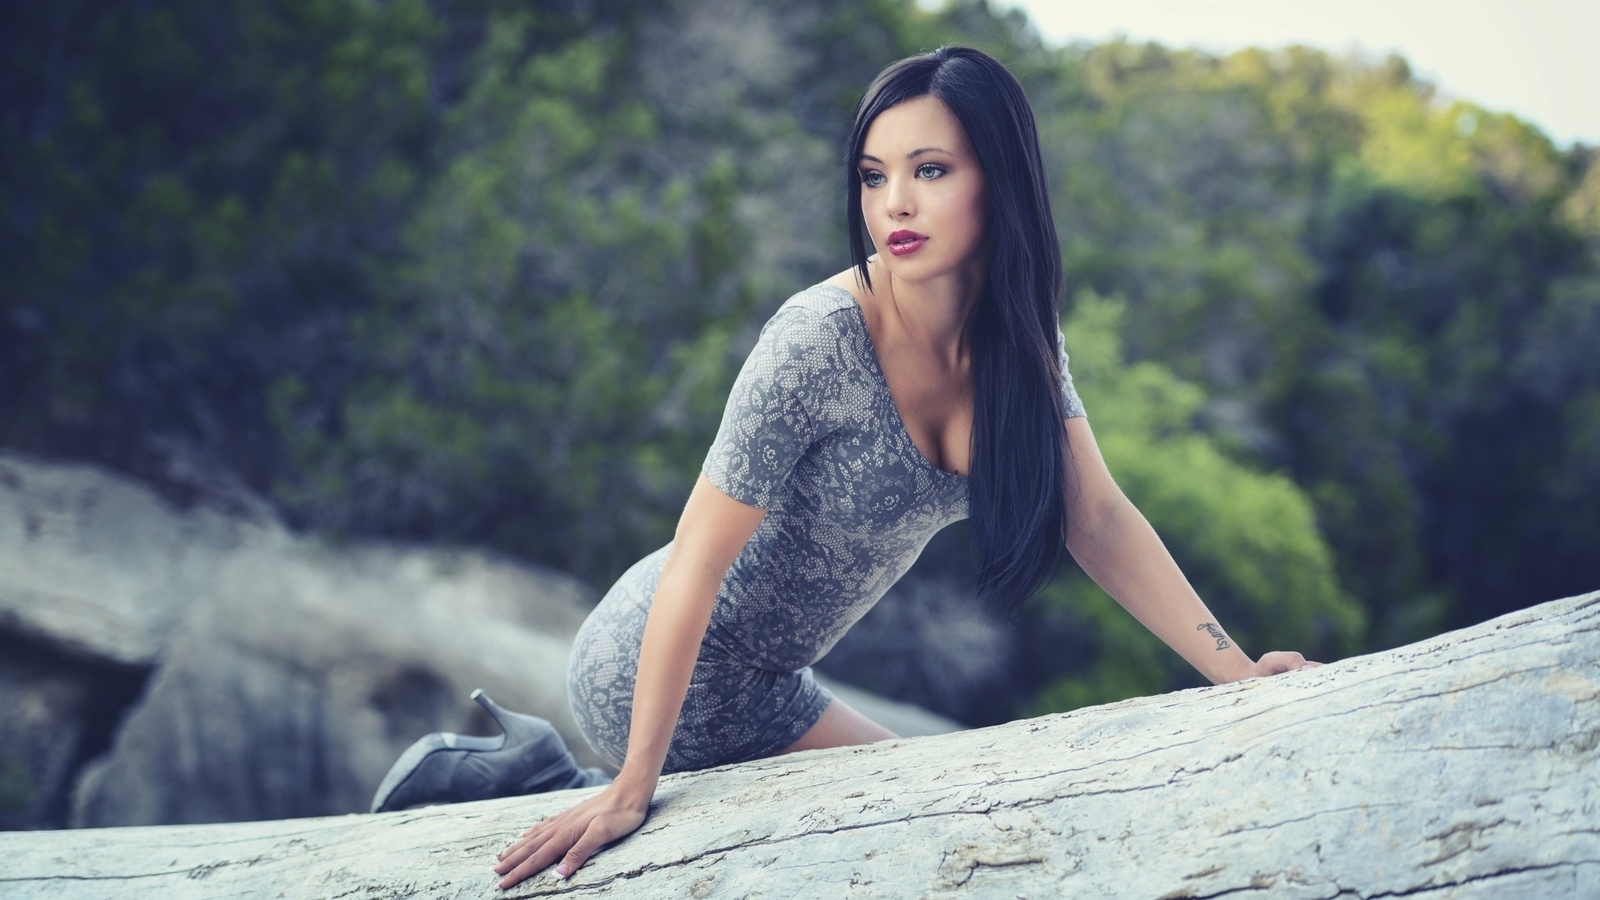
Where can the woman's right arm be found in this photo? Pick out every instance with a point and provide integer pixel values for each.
(711, 532)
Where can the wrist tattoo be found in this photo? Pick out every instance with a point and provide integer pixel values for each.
(1216, 633)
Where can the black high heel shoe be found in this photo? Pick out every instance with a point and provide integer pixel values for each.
(529, 757)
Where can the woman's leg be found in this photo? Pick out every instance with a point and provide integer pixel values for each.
(840, 726)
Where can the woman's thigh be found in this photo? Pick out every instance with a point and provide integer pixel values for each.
(840, 726)
(731, 712)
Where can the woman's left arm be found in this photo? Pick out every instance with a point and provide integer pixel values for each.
(1116, 546)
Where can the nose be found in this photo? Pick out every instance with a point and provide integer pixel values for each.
(897, 199)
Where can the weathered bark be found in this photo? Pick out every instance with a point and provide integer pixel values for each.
(1463, 766)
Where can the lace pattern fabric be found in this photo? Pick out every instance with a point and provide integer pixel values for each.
(811, 434)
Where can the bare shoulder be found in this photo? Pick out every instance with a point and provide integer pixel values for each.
(849, 280)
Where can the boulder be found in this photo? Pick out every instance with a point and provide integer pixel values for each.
(307, 671)
(45, 711)
(99, 567)
(1459, 767)
(97, 573)
(167, 662)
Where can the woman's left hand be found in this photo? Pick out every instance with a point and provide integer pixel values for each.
(1280, 661)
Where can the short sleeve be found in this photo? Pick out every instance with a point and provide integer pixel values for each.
(1069, 396)
(770, 417)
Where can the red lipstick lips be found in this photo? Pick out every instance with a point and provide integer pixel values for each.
(903, 242)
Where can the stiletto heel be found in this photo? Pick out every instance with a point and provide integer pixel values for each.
(516, 726)
(527, 757)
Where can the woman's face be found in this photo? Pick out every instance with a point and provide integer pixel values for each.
(923, 196)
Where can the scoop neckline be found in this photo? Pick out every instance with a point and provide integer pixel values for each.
(883, 382)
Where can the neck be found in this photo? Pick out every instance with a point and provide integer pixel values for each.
(935, 315)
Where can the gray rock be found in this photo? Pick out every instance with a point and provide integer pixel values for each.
(289, 674)
(102, 568)
(44, 713)
(1460, 767)
(97, 573)
(306, 673)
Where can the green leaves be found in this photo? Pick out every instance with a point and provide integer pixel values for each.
(1246, 538)
(554, 342)
(482, 272)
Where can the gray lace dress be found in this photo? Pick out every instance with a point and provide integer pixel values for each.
(811, 435)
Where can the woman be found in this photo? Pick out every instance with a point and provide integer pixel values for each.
(925, 383)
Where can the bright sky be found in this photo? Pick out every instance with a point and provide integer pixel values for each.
(1538, 59)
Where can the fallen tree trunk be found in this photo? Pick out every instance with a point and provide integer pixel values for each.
(1462, 766)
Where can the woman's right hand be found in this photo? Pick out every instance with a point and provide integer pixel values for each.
(572, 836)
(712, 531)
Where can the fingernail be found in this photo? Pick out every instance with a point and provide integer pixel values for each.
(562, 873)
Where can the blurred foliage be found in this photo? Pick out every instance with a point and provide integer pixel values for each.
(1360, 277)
(481, 271)
(1247, 539)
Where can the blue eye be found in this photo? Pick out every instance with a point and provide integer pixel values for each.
(929, 171)
(872, 178)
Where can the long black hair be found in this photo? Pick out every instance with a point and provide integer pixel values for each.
(1017, 497)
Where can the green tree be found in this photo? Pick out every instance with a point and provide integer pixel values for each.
(1246, 538)
(481, 271)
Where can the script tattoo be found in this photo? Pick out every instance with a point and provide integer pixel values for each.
(1212, 629)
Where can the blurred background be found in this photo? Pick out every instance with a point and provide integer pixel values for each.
(474, 277)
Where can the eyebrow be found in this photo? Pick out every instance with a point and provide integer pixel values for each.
(912, 155)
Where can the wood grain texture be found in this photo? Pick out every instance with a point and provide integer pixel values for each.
(1462, 766)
